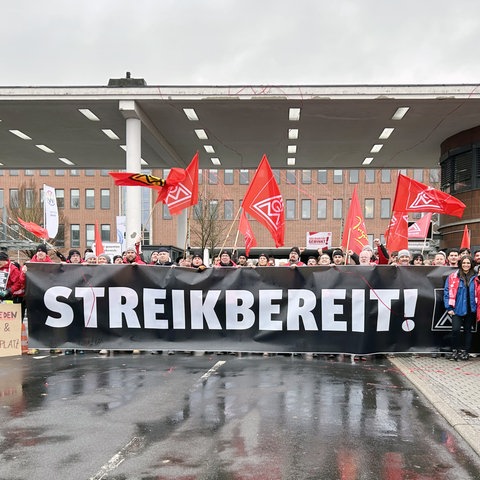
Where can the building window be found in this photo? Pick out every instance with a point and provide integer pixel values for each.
(2, 199)
(385, 206)
(213, 176)
(418, 174)
(166, 212)
(306, 177)
(44, 173)
(353, 176)
(321, 176)
(290, 209)
(29, 197)
(89, 234)
(337, 208)
(105, 199)
(244, 177)
(228, 177)
(14, 173)
(386, 175)
(228, 209)
(290, 177)
(213, 209)
(60, 237)
(105, 230)
(338, 176)
(276, 174)
(89, 198)
(29, 173)
(370, 176)
(434, 176)
(198, 210)
(74, 198)
(74, 173)
(59, 173)
(200, 176)
(369, 208)
(60, 196)
(74, 235)
(321, 208)
(306, 209)
(89, 173)
(104, 173)
(13, 200)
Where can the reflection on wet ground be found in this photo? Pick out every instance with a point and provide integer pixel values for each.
(219, 417)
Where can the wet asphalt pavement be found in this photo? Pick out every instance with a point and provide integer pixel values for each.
(220, 417)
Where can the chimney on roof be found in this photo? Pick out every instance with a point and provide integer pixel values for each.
(128, 81)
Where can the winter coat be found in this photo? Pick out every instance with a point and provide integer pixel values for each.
(455, 294)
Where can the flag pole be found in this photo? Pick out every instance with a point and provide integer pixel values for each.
(229, 230)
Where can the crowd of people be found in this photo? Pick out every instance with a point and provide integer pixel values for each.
(461, 290)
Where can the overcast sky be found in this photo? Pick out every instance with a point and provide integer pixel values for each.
(248, 42)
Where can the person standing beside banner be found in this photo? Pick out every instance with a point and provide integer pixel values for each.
(460, 303)
(12, 281)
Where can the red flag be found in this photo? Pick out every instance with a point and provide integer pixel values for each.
(127, 179)
(465, 238)
(354, 234)
(179, 194)
(245, 229)
(98, 241)
(396, 236)
(419, 230)
(32, 227)
(264, 202)
(413, 196)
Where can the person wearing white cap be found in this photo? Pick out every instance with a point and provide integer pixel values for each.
(403, 257)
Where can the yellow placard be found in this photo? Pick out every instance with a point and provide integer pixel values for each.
(10, 329)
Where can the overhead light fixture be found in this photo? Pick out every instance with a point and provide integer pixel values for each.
(293, 133)
(294, 114)
(1, 164)
(386, 133)
(45, 148)
(123, 147)
(110, 134)
(291, 161)
(292, 149)
(367, 161)
(89, 114)
(201, 134)
(191, 114)
(376, 148)
(400, 113)
(20, 134)
(66, 161)
(143, 162)
(209, 149)
(215, 161)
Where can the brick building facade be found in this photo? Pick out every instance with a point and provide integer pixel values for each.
(315, 200)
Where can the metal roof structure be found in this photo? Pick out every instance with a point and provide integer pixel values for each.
(337, 126)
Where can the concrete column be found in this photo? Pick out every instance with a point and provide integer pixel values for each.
(133, 195)
(182, 228)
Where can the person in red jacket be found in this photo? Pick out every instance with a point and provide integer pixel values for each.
(12, 281)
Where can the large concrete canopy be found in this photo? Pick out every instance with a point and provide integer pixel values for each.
(338, 125)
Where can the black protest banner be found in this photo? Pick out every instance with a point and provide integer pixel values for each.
(349, 309)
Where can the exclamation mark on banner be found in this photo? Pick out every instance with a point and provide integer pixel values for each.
(410, 304)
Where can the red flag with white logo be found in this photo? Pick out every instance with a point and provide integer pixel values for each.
(264, 202)
(246, 231)
(413, 196)
(419, 229)
(354, 234)
(396, 236)
(184, 193)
